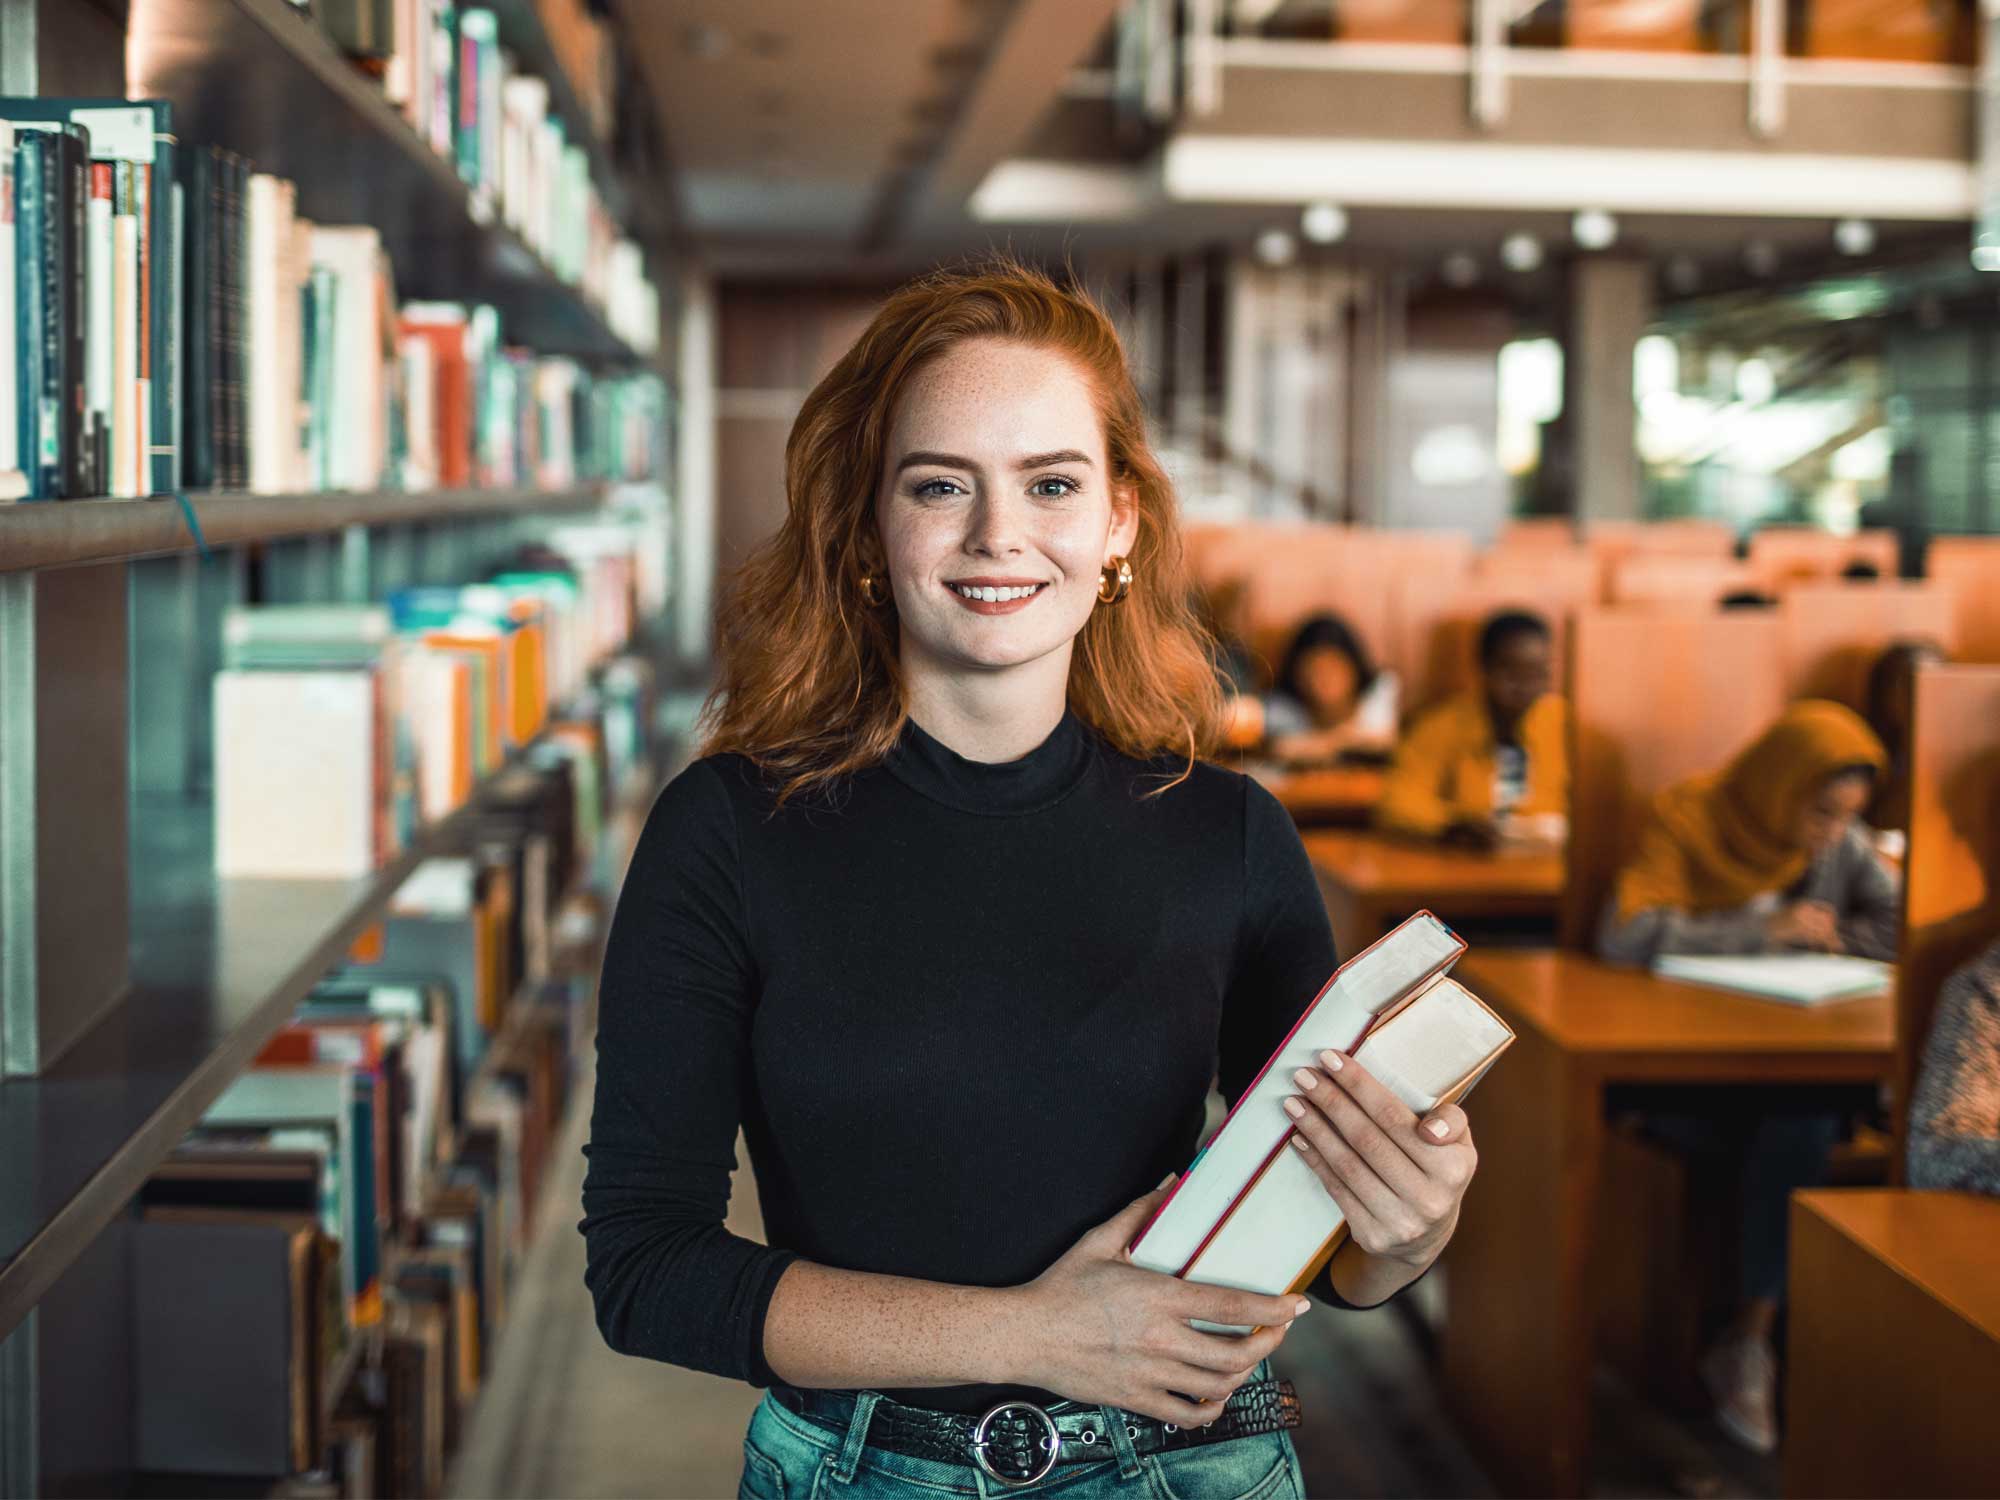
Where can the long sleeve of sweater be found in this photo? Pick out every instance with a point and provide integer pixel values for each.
(1955, 1107)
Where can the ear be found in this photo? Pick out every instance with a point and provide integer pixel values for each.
(1124, 533)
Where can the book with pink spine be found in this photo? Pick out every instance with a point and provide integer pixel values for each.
(1249, 1212)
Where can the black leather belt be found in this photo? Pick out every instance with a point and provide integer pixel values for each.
(1018, 1442)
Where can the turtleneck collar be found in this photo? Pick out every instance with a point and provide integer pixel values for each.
(1039, 779)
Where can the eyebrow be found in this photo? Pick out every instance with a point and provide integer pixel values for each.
(928, 458)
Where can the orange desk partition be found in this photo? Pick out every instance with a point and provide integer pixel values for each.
(1655, 698)
(1834, 632)
(1673, 581)
(1635, 25)
(1970, 567)
(1537, 531)
(1784, 555)
(1683, 538)
(1887, 31)
(1435, 21)
(1951, 876)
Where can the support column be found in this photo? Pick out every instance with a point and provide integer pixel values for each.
(695, 467)
(1610, 306)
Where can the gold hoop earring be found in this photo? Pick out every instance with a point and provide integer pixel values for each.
(1115, 581)
(874, 591)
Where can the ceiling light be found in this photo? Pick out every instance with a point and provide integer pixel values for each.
(1594, 229)
(1521, 252)
(1276, 247)
(1459, 269)
(1323, 223)
(1986, 257)
(1761, 256)
(1854, 236)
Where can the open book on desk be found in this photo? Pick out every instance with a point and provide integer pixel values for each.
(1248, 1212)
(1791, 978)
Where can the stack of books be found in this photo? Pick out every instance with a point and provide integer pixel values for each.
(1250, 1213)
(393, 712)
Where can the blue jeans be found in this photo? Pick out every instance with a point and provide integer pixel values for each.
(786, 1457)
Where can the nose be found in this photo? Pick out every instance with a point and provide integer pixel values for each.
(992, 527)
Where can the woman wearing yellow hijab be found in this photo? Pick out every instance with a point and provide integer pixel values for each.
(1764, 855)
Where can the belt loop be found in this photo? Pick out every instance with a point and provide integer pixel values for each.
(1121, 1441)
(857, 1435)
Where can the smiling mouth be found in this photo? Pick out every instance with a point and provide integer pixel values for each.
(994, 593)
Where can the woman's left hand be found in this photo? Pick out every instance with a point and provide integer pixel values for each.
(1398, 1179)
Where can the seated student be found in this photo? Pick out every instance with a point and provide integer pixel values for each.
(1955, 1106)
(1892, 682)
(1329, 696)
(1492, 760)
(1763, 855)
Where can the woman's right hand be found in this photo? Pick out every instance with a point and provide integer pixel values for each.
(1097, 1328)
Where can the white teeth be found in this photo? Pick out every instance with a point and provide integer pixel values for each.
(994, 595)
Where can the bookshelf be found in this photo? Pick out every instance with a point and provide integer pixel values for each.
(261, 79)
(70, 532)
(135, 986)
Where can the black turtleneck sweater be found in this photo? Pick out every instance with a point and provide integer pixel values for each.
(963, 1012)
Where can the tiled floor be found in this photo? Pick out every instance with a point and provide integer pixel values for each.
(563, 1416)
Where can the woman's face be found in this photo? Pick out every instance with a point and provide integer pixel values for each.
(995, 478)
(1824, 819)
(1329, 680)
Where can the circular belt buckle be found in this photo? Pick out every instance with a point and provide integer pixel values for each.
(1052, 1442)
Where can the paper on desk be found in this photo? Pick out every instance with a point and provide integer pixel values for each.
(1791, 978)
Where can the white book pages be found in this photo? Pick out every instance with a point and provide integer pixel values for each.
(1430, 1047)
(124, 356)
(1792, 978)
(267, 390)
(1376, 979)
(274, 733)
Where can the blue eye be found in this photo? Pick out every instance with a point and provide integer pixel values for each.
(1063, 487)
(931, 488)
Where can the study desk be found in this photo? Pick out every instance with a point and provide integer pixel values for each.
(1333, 796)
(1371, 881)
(1893, 1375)
(1519, 1324)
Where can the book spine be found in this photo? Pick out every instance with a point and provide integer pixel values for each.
(162, 452)
(170, 466)
(233, 475)
(70, 204)
(124, 336)
(142, 392)
(29, 158)
(98, 336)
(13, 483)
(198, 309)
(49, 269)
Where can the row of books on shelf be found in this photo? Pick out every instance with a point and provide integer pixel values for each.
(179, 326)
(393, 712)
(443, 66)
(321, 1268)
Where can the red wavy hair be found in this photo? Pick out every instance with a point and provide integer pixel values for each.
(810, 684)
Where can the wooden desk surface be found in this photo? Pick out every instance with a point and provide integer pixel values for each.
(1381, 867)
(1345, 793)
(1604, 1011)
(1894, 1344)
(1946, 1244)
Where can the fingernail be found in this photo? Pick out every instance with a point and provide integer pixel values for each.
(1306, 1078)
(1439, 1129)
(1331, 1059)
(1163, 1182)
(1305, 1305)
(1293, 1107)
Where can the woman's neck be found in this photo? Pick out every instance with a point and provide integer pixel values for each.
(989, 716)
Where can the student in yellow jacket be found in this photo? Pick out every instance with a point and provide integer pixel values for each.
(1493, 755)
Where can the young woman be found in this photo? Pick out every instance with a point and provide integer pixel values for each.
(953, 922)
(1494, 755)
(1764, 856)
(1329, 696)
